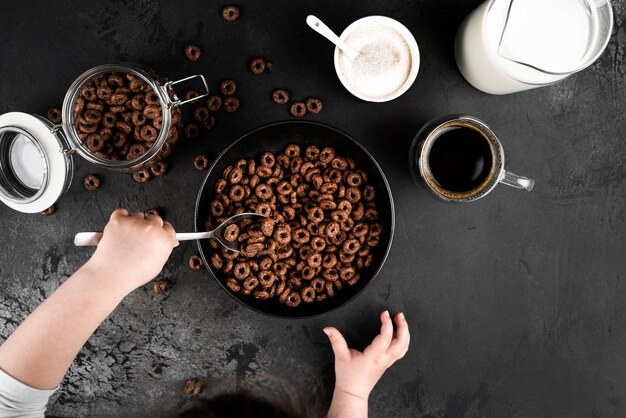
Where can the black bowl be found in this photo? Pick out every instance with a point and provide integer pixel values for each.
(274, 138)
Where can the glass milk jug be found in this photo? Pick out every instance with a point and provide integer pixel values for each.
(506, 46)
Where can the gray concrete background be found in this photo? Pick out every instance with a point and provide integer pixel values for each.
(516, 303)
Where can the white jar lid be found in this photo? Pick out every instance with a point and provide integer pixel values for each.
(35, 169)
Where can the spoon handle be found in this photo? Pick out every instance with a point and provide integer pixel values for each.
(318, 26)
(90, 239)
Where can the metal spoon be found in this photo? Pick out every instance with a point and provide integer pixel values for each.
(318, 26)
(87, 239)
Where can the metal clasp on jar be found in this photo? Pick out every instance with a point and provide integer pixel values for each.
(170, 93)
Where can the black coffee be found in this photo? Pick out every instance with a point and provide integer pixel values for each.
(460, 158)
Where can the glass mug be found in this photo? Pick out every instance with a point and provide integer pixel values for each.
(460, 159)
(505, 46)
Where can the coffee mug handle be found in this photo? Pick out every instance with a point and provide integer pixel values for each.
(519, 182)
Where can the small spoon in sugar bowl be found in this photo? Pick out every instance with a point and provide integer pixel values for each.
(318, 26)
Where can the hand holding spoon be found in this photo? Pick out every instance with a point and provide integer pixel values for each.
(318, 26)
(86, 239)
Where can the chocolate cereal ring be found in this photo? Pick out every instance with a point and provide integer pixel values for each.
(297, 109)
(293, 299)
(292, 151)
(237, 193)
(266, 278)
(190, 94)
(137, 85)
(209, 123)
(142, 176)
(280, 96)
(312, 152)
(257, 65)
(214, 103)
(228, 87)
(327, 155)
(191, 130)
(159, 169)
(307, 294)
(313, 105)
(135, 151)
(231, 104)
(54, 115)
(94, 143)
(201, 113)
(48, 211)
(318, 285)
(152, 98)
(241, 270)
(201, 162)
(230, 13)
(233, 285)
(159, 287)
(351, 246)
(347, 273)
(149, 133)
(91, 182)
(369, 193)
(231, 232)
(376, 229)
(268, 159)
(192, 52)
(250, 283)
(261, 294)
(195, 262)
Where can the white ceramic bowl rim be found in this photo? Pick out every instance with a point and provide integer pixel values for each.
(409, 39)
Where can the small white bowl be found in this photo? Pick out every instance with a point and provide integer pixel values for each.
(408, 38)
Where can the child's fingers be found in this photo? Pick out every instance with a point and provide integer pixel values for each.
(118, 213)
(155, 218)
(170, 230)
(340, 347)
(138, 215)
(400, 344)
(381, 342)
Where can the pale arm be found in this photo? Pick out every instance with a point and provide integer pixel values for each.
(43, 347)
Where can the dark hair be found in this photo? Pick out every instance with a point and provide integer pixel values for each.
(234, 405)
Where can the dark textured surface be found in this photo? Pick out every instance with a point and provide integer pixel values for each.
(516, 303)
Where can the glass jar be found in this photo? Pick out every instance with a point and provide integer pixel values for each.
(36, 165)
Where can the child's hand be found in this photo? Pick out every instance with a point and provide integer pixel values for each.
(356, 373)
(133, 249)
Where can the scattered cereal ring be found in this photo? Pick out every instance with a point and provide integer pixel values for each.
(159, 169)
(280, 96)
(228, 87)
(159, 287)
(91, 182)
(195, 262)
(313, 105)
(214, 103)
(192, 52)
(193, 387)
(201, 162)
(297, 109)
(257, 65)
(201, 113)
(231, 104)
(48, 211)
(230, 13)
(191, 130)
(54, 115)
(142, 176)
